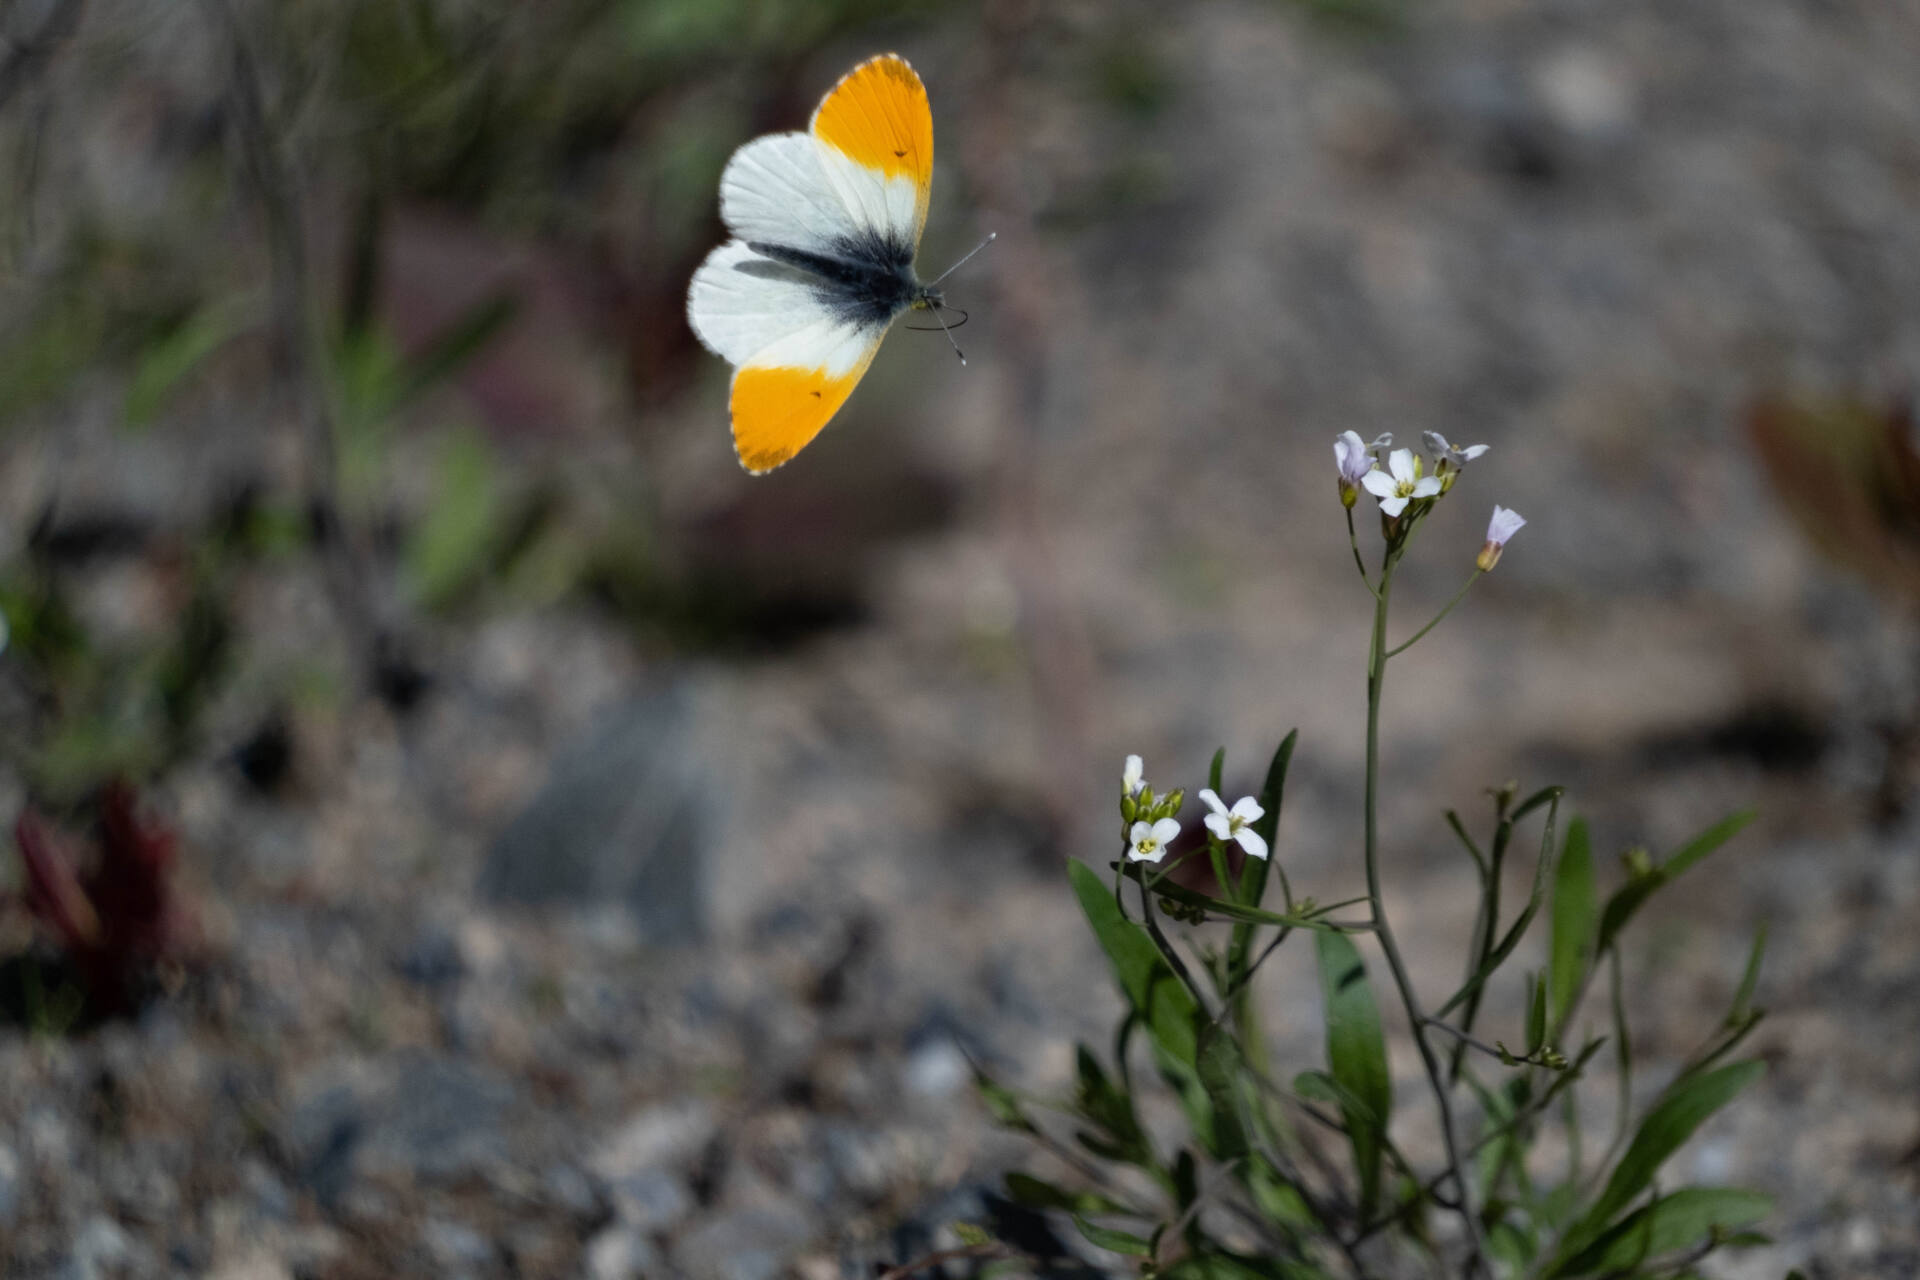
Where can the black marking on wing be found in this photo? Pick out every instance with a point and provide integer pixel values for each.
(866, 279)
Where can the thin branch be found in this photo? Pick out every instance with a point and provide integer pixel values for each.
(1458, 596)
(298, 377)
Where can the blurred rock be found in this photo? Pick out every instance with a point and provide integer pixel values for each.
(630, 813)
(621, 1253)
(432, 1118)
(455, 1244)
(671, 1135)
(432, 959)
(751, 1243)
(102, 1249)
(569, 1189)
(652, 1200)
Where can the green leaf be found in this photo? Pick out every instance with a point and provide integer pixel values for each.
(1003, 1104)
(1576, 922)
(1036, 1193)
(452, 546)
(1683, 1220)
(1629, 898)
(1743, 997)
(1279, 1199)
(1511, 939)
(1113, 1241)
(1273, 790)
(170, 360)
(1105, 1105)
(1356, 1057)
(1156, 994)
(1684, 1109)
(1230, 910)
(1706, 842)
(1545, 795)
(1214, 769)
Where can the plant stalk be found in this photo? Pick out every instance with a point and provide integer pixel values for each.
(1377, 656)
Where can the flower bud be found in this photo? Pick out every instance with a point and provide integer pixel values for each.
(1504, 524)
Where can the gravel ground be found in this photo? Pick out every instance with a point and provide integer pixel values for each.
(603, 961)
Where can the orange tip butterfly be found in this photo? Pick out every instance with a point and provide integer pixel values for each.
(825, 227)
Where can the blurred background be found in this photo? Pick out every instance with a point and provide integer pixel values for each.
(466, 826)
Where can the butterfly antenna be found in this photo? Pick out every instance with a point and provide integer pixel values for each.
(991, 237)
(943, 324)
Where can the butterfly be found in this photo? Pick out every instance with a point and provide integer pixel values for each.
(826, 224)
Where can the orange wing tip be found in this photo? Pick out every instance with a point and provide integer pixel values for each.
(878, 115)
(778, 410)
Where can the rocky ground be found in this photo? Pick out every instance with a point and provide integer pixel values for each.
(598, 959)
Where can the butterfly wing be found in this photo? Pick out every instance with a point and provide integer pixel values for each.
(854, 187)
(798, 357)
(878, 133)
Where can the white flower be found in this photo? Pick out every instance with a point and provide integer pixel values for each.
(1353, 458)
(1504, 525)
(1449, 459)
(1400, 483)
(1451, 454)
(1236, 823)
(1134, 776)
(1150, 839)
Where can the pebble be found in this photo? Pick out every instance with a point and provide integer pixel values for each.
(102, 1248)
(621, 1253)
(650, 1199)
(669, 1134)
(753, 1243)
(455, 1244)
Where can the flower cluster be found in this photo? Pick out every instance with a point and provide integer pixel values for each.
(1407, 484)
(1151, 825)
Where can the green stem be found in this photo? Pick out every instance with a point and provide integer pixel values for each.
(1377, 656)
(1458, 596)
(1359, 561)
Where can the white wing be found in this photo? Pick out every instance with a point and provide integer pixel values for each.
(775, 190)
(793, 189)
(750, 309)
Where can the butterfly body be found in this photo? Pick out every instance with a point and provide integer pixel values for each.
(864, 283)
(826, 226)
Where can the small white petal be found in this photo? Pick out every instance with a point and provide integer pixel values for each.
(1392, 506)
(1401, 464)
(1166, 831)
(1436, 443)
(1219, 824)
(1427, 487)
(1212, 800)
(1133, 775)
(1379, 484)
(1473, 451)
(1504, 524)
(1382, 441)
(1247, 809)
(1250, 841)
